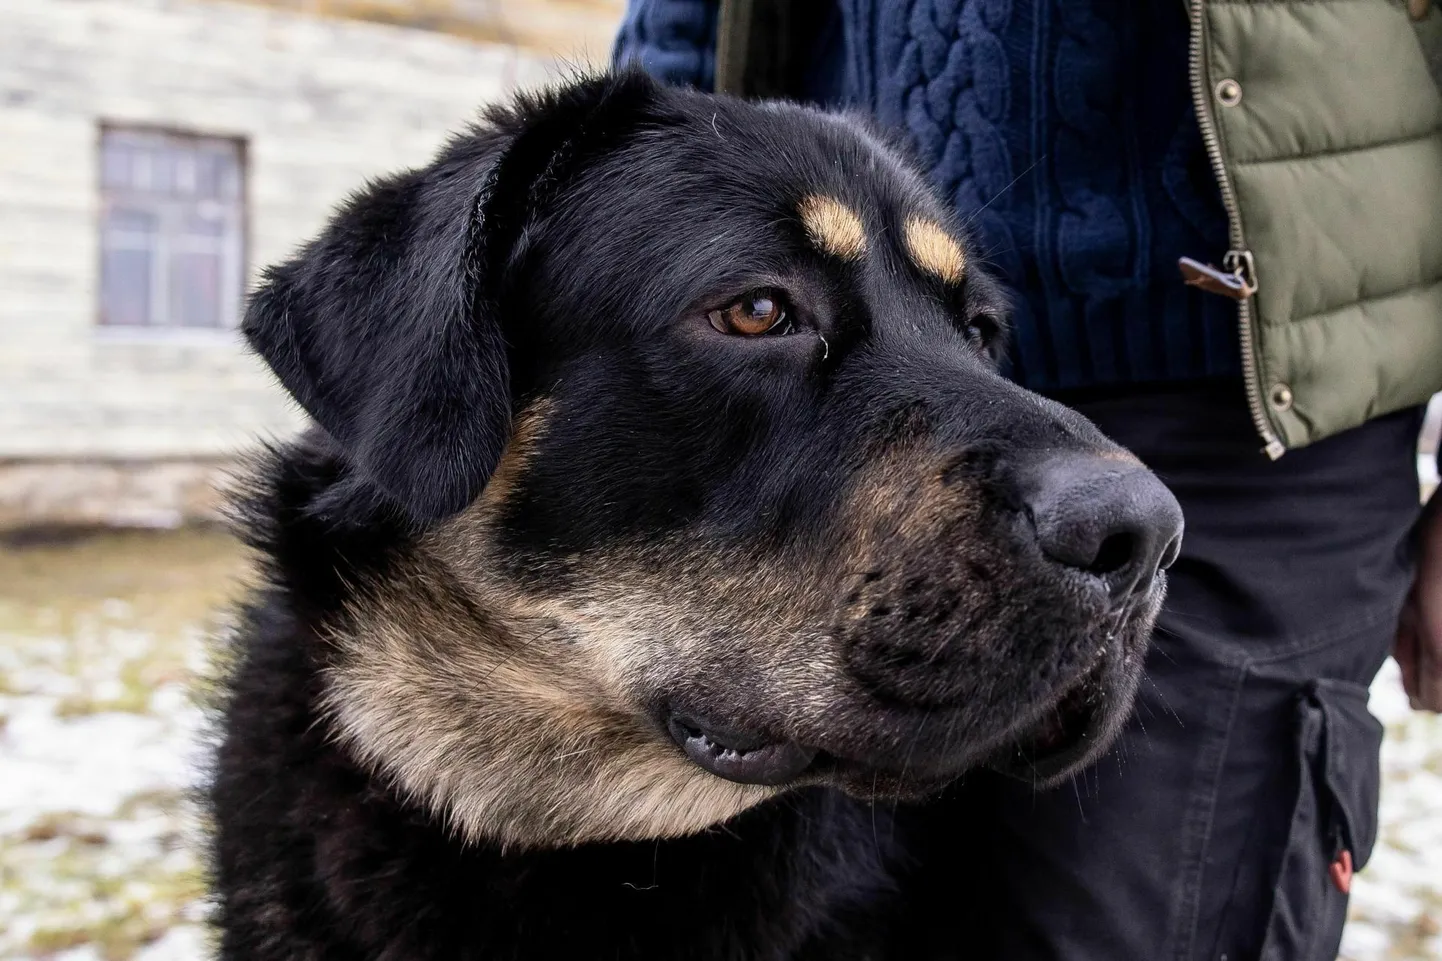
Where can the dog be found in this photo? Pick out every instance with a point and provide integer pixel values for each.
(665, 513)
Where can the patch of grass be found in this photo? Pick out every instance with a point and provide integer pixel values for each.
(54, 940)
(117, 909)
(116, 937)
(168, 582)
(151, 802)
(138, 678)
(66, 824)
(1415, 940)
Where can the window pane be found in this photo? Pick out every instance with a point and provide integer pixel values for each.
(141, 166)
(206, 220)
(125, 287)
(185, 174)
(114, 162)
(195, 290)
(218, 173)
(230, 177)
(162, 169)
(129, 220)
(207, 175)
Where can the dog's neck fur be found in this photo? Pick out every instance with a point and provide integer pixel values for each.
(326, 840)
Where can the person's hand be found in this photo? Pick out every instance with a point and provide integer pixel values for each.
(1419, 632)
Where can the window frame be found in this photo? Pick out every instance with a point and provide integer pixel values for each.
(233, 243)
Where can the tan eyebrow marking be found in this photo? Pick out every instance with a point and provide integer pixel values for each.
(833, 226)
(934, 250)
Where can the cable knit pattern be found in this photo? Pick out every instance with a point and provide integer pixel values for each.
(673, 40)
(1063, 132)
(1095, 165)
(1101, 223)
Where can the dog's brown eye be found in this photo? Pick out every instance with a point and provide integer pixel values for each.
(762, 312)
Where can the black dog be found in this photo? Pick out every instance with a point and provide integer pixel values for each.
(665, 512)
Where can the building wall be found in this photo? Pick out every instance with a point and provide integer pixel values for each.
(577, 30)
(322, 103)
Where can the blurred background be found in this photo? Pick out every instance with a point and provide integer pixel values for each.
(153, 155)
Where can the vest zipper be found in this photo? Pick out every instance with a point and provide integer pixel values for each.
(1238, 261)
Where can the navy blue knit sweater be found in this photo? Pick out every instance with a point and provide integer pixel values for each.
(1063, 130)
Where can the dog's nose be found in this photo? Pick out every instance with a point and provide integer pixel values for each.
(1108, 517)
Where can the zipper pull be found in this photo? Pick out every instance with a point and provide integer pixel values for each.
(1237, 281)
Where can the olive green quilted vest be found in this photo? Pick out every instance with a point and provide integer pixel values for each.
(1324, 122)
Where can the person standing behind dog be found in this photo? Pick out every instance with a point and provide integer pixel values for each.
(1223, 225)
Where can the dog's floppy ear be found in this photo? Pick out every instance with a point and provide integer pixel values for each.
(388, 328)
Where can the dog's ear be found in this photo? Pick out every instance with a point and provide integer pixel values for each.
(388, 328)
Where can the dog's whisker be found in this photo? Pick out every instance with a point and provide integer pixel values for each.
(972, 218)
(1162, 697)
(1080, 807)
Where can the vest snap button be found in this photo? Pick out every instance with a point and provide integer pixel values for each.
(1229, 92)
(1281, 397)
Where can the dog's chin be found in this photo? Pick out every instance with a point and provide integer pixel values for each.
(1072, 733)
(1067, 735)
(1081, 722)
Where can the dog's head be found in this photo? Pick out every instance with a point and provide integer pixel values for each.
(713, 488)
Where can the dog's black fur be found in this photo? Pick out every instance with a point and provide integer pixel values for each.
(558, 266)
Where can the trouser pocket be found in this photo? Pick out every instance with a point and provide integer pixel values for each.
(1334, 821)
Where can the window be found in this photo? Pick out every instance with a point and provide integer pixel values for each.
(172, 229)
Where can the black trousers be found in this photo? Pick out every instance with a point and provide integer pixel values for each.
(1251, 764)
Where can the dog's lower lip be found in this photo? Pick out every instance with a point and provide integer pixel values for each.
(739, 758)
(1064, 738)
(1054, 735)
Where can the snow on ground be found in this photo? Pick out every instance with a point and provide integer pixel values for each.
(1396, 910)
(102, 644)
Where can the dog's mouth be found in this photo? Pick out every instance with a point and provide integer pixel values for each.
(1076, 724)
(1065, 736)
(739, 757)
(748, 759)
